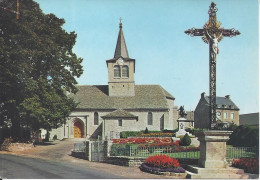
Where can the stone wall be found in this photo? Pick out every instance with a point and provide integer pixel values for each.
(14, 147)
(125, 161)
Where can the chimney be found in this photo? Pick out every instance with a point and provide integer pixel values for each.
(203, 95)
(227, 96)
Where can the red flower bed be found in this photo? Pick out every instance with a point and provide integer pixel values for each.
(162, 161)
(142, 141)
(250, 165)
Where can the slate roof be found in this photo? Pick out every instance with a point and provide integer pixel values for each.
(223, 103)
(249, 119)
(146, 97)
(119, 114)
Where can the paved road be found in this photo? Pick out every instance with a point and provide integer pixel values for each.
(19, 167)
(41, 162)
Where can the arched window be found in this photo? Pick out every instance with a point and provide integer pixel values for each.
(125, 71)
(117, 71)
(150, 118)
(95, 118)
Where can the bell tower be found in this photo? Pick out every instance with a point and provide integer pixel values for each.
(121, 69)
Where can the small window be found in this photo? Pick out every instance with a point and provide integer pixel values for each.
(125, 71)
(95, 118)
(232, 115)
(120, 123)
(117, 71)
(225, 115)
(150, 118)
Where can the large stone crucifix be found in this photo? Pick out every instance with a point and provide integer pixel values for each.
(211, 34)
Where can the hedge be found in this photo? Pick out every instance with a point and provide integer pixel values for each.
(244, 136)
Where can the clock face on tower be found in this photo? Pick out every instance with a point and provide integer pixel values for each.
(120, 61)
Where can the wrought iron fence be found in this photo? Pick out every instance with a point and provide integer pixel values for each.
(79, 147)
(179, 152)
(238, 152)
(136, 151)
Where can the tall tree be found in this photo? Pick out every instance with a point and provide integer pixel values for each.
(37, 68)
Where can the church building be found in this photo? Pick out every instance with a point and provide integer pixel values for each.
(106, 110)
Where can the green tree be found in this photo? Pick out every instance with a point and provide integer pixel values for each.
(38, 68)
(186, 140)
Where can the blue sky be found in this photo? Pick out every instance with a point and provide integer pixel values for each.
(165, 55)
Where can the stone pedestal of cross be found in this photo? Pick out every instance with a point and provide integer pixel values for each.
(211, 34)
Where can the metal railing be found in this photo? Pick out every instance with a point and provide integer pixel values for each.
(179, 152)
(238, 152)
(79, 147)
(133, 151)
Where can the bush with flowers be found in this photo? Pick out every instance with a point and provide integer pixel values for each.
(161, 163)
(156, 134)
(250, 165)
(141, 140)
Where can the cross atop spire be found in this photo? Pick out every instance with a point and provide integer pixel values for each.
(121, 49)
(120, 24)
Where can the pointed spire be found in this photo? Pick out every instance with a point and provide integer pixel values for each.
(121, 49)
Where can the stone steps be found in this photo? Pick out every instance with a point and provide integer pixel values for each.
(196, 172)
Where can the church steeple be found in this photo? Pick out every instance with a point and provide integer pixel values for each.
(121, 49)
(121, 70)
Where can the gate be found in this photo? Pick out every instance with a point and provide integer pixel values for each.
(97, 151)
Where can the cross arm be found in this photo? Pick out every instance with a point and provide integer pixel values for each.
(230, 32)
(195, 32)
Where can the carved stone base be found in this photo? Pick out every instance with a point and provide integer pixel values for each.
(213, 148)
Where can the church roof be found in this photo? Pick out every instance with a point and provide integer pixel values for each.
(121, 49)
(146, 97)
(119, 113)
(224, 103)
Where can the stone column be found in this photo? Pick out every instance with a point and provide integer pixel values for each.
(213, 148)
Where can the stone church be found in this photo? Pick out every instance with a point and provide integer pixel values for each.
(106, 110)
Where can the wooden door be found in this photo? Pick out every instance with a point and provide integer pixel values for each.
(77, 130)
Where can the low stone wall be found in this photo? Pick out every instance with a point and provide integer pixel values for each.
(81, 155)
(125, 161)
(14, 147)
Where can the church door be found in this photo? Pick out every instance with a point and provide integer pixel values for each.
(78, 130)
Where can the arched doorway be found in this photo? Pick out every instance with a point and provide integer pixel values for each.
(78, 129)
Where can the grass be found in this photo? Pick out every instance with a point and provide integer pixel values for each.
(241, 152)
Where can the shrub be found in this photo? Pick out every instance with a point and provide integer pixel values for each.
(170, 131)
(126, 134)
(55, 137)
(244, 136)
(186, 140)
(140, 140)
(157, 134)
(146, 131)
(250, 165)
(162, 161)
(194, 130)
